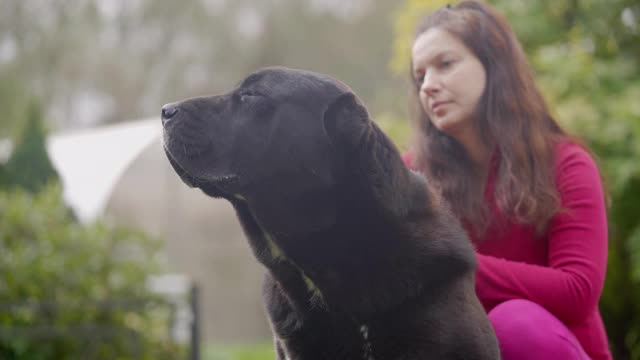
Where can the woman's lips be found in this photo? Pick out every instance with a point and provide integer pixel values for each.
(437, 107)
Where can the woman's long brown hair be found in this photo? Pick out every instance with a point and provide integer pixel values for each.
(512, 120)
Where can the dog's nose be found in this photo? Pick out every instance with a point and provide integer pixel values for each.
(168, 111)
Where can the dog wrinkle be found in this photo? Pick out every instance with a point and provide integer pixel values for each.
(278, 255)
(275, 251)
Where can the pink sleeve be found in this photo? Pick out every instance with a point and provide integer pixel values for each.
(570, 286)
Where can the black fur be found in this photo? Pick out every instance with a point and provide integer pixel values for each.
(363, 261)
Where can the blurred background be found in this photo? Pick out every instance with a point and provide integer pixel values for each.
(105, 254)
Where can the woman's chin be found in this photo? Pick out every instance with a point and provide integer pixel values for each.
(446, 124)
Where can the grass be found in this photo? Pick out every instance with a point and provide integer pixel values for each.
(239, 352)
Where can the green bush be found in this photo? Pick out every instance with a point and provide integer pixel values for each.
(263, 351)
(69, 291)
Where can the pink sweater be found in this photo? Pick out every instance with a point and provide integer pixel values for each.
(564, 270)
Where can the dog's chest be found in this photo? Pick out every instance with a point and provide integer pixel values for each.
(324, 340)
(367, 350)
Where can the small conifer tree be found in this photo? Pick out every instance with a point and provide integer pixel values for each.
(29, 166)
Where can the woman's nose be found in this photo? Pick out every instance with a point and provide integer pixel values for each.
(431, 84)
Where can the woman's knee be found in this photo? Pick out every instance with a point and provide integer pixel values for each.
(515, 323)
(525, 330)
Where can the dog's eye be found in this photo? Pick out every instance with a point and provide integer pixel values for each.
(252, 101)
(245, 96)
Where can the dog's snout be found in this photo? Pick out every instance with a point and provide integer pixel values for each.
(168, 112)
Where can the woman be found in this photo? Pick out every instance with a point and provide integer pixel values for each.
(529, 196)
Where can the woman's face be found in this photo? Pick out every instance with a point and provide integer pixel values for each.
(451, 80)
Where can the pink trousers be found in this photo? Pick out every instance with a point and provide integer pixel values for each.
(526, 331)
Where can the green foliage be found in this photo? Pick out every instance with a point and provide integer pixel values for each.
(396, 128)
(12, 102)
(29, 166)
(252, 352)
(405, 21)
(73, 292)
(585, 54)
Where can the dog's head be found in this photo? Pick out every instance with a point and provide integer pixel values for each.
(282, 136)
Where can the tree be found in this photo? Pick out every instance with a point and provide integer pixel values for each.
(121, 60)
(29, 166)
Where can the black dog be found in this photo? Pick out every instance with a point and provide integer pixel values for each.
(363, 262)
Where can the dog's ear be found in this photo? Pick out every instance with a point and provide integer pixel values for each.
(373, 159)
(346, 121)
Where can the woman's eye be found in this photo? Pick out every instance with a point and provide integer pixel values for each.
(445, 64)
